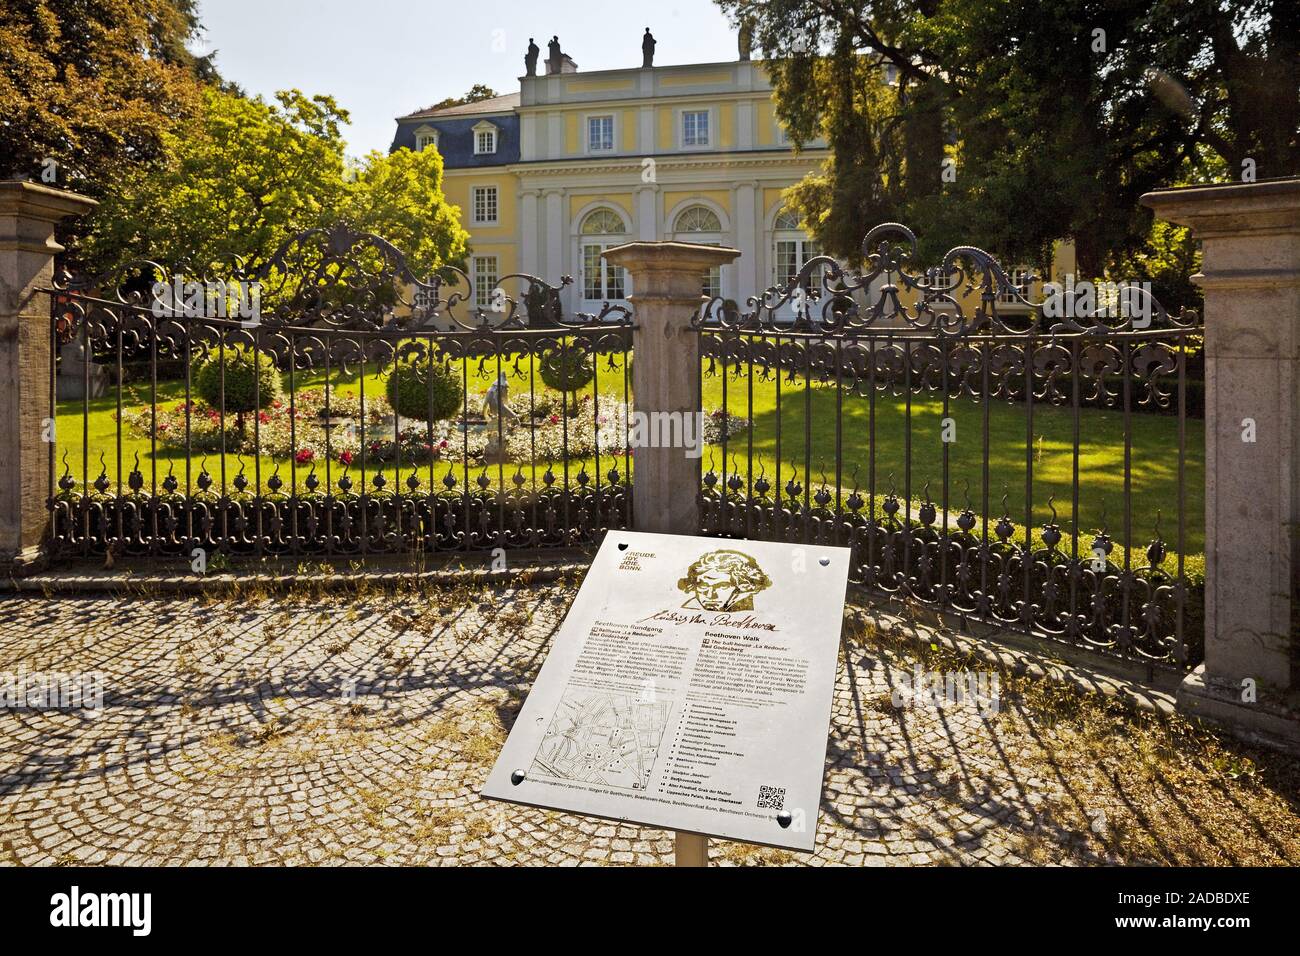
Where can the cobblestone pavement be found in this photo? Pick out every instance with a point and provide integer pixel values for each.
(359, 729)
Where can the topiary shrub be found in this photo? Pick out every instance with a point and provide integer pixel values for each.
(246, 389)
(427, 392)
(567, 371)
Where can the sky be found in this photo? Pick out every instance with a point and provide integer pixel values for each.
(384, 58)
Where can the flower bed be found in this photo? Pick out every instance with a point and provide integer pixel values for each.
(551, 436)
(281, 431)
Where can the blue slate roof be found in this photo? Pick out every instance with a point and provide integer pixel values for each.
(456, 136)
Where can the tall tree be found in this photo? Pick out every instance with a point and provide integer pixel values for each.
(251, 174)
(1054, 115)
(90, 90)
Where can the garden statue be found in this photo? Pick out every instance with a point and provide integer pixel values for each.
(497, 408)
(647, 49)
(495, 401)
(79, 376)
(542, 305)
(530, 58)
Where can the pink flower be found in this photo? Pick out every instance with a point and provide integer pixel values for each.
(443, 443)
(345, 457)
(304, 456)
(553, 420)
(277, 404)
(263, 417)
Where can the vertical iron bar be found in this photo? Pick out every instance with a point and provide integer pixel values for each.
(1027, 559)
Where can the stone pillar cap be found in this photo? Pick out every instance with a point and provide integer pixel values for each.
(38, 201)
(670, 254)
(1269, 206)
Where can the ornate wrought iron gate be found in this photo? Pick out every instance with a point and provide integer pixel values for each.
(891, 419)
(328, 466)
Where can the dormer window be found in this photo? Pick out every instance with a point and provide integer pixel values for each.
(425, 137)
(485, 139)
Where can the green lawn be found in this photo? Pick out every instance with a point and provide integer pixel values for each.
(1154, 471)
(97, 430)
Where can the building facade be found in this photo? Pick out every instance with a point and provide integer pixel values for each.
(574, 163)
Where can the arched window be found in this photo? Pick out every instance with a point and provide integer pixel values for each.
(701, 224)
(791, 247)
(602, 229)
(697, 219)
(787, 220)
(603, 222)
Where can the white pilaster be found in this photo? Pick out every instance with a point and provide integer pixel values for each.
(645, 143)
(528, 137)
(647, 212)
(529, 232)
(554, 135)
(556, 227)
(745, 124)
(749, 240)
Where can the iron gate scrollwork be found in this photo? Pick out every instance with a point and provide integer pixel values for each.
(891, 406)
(329, 467)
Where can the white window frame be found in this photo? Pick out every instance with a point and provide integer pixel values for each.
(425, 137)
(485, 278)
(1019, 277)
(613, 133)
(802, 247)
(494, 202)
(711, 284)
(611, 278)
(480, 135)
(709, 125)
(944, 283)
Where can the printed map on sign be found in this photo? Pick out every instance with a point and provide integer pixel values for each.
(603, 738)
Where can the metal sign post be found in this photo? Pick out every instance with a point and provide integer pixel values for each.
(691, 849)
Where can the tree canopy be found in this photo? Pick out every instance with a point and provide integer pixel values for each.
(477, 93)
(251, 174)
(1012, 123)
(95, 87)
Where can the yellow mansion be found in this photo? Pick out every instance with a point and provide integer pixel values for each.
(574, 163)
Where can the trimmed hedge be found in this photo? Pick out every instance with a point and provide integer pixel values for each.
(248, 387)
(428, 392)
(567, 371)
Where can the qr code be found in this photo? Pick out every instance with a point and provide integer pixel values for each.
(771, 798)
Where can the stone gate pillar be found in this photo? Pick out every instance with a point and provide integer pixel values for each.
(28, 214)
(1251, 277)
(667, 281)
